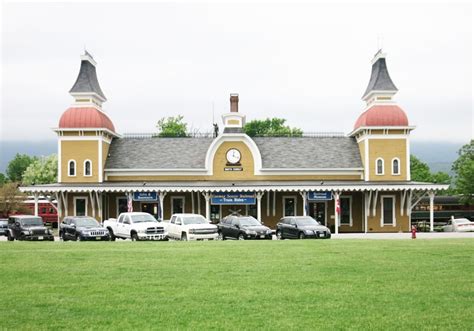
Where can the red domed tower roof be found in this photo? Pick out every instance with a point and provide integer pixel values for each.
(382, 115)
(85, 117)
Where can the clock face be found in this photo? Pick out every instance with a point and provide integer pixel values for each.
(233, 155)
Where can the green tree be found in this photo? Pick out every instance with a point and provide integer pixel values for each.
(420, 172)
(17, 166)
(274, 127)
(42, 171)
(3, 179)
(172, 127)
(463, 168)
(11, 200)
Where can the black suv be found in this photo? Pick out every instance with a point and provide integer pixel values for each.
(3, 226)
(27, 227)
(242, 227)
(301, 227)
(82, 228)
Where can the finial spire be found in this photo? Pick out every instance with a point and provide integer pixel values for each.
(380, 81)
(87, 84)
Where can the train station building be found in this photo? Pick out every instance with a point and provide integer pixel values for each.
(354, 182)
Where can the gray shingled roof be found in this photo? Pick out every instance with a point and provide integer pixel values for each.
(380, 79)
(86, 81)
(277, 152)
(309, 152)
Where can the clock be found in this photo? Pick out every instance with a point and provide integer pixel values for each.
(233, 156)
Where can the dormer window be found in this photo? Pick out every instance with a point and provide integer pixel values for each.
(71, 168)
(379, 166)
(87, 168)
(395, 166)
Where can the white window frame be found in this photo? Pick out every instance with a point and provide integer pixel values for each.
(69, 168)
(181, 197)
(393, 172)
(283, 205)
(117, 204)
(377, 168)
(350, 210)
(393, 196)
(75, 204)
(85, 175)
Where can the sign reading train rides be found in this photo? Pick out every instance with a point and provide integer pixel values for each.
(144, 196)
(233, 199)
(319, 196)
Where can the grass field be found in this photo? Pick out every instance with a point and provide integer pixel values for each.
(331, 284)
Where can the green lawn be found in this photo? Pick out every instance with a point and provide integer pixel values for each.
(330, 284)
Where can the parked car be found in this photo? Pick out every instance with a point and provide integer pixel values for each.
(136, 226)
(27, 227)
(242, 227)
(190, 227)
(459, 225)
(82, 228)
(301, 227)
(3, 226)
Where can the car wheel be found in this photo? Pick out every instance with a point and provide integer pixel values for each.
(78, 237)
(184, 237)
(111, 233)
(328, 236)
(63, 236)
(22, 237)
(134, 236)
(301, 235)
(241, 236)
(10, 237)
(279, 236)
(221, 236)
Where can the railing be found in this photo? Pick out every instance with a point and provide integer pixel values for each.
(211, 135)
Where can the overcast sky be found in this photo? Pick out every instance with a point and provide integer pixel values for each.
(308, 63)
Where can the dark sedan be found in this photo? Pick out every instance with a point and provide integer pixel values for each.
(301, 227)
(82, 228)
(242, 227)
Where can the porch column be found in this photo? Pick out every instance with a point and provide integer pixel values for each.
(207, 196)
(304, 196)
(431, 194)
(161, 196)
(259, 206)
(336, 217)
(36, 204)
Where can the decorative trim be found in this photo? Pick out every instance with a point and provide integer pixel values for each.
(59, 162)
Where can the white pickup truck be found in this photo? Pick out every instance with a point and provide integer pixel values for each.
(136, 226)
(190, 227)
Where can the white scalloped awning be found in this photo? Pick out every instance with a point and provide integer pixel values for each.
(257, 186)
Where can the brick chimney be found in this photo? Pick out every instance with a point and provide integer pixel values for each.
(234, 103)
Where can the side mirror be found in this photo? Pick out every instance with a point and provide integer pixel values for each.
(296, 226)
(73, 225)
(237, 226)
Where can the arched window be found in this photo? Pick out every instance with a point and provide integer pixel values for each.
(87, 168)
(395, 166)
(71, 168)
(379, 166)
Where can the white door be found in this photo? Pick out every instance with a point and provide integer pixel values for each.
(126, 225)
(172, 227)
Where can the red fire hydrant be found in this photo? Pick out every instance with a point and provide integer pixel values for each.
(413, 232)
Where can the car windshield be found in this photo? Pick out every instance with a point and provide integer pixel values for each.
(143, 218)
(194, 220)
(248, 221)
(31, 221)
(306, 221)
(86, 222)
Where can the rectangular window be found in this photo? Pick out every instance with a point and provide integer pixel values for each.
(252, 211)
(215, 213)
(121, 206)
(346, 210)
(289, 206)
(177, 205)
(388, 211)
(80, 207)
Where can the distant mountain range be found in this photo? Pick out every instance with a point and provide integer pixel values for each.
(438, 155)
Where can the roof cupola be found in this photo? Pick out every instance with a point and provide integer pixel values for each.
(233, 121)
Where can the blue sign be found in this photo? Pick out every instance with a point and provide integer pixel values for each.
(144, 196)
(233, 198)
(319, 196)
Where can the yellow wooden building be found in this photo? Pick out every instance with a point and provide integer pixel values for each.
(359, 181)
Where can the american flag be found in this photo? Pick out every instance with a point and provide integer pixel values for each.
(129, 203)
(338, 205)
